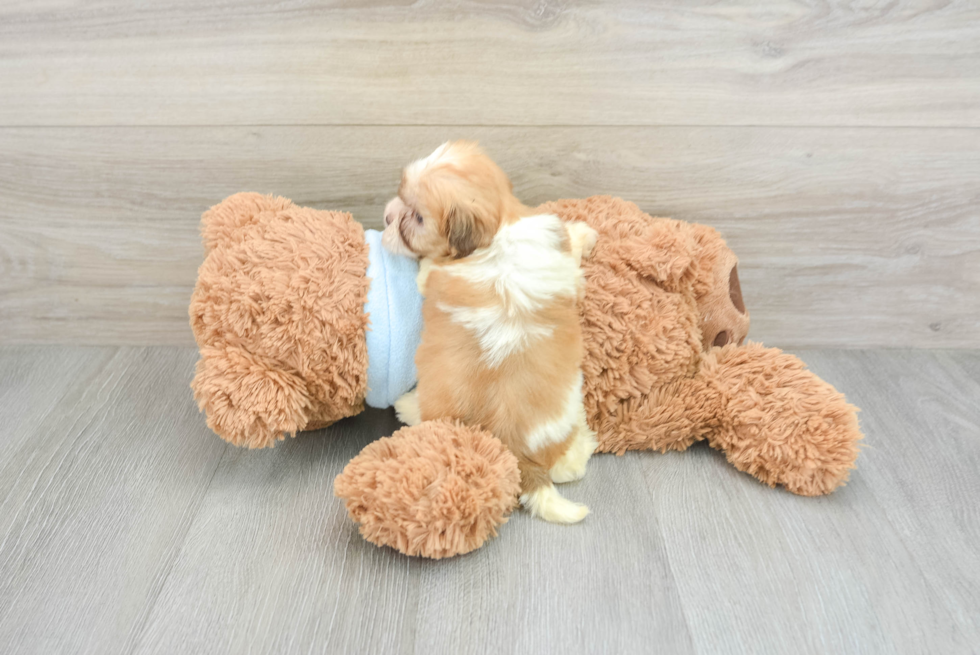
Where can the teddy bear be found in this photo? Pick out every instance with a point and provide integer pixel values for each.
(285, 306)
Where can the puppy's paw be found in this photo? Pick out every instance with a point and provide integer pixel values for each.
(567, 472)
(548, 504)
(583, 239)
(572, 464)
(407, 409)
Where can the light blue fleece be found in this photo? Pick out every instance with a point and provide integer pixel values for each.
(394, 308)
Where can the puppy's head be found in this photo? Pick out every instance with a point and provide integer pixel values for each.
(448, 204)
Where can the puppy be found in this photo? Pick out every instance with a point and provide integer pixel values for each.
(501, 346)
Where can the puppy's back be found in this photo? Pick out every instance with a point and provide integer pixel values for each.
(502, 346)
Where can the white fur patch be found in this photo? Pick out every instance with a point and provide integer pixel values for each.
(547, 503)
(416, 167)
(407, 408)
(524, 263)
(572, 464)
(557, 429)
(526, 268)
(425, 267)
(499, 335)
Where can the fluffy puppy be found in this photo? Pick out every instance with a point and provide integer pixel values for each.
(501, 344)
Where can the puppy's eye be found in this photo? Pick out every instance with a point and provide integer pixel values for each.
(418, 218)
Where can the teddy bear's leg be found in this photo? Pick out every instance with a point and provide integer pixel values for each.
(770, 416)
(780, 422)
(572, 464)
(249, 402)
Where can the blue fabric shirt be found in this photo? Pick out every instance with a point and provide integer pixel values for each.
(394, 308)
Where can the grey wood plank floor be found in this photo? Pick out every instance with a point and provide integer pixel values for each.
(127, 527)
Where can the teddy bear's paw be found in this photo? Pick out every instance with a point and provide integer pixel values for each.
(546, 503)
(783, 424)
(248, 401)
(572, 465)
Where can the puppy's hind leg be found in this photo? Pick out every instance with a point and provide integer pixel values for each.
(571, 465)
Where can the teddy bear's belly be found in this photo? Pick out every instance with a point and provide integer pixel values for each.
(636, 346)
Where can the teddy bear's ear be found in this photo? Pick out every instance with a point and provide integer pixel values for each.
(248, 401)
(664, 253)
(220, 223)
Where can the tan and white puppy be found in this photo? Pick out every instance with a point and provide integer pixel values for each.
(501, 344)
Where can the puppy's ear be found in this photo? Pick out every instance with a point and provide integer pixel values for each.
(466, 231)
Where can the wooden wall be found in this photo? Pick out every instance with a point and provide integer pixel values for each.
(836, 145)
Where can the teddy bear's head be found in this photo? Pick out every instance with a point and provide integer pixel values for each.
(659, 293)
(278, 316)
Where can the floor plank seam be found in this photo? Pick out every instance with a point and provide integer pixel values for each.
(57, 405)
(139, 629)
(666, 551)
(37, 495)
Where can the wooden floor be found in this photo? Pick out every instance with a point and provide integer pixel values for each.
(127, 527)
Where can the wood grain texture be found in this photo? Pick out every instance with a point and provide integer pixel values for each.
(33, 386)
(271, 539)
(565, 590)
(127, 527)
(849, 237)
(870, 546)
(98, 493)
(968, 362)
(182, 62)
(925, 407)
(272, 557)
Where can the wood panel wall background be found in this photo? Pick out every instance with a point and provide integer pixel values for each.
(835, 144)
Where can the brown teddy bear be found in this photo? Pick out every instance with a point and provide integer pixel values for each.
(279, 316)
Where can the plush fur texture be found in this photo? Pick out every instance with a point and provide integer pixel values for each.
(435, 490)
(653, 383)
(278, 317)
(275, 361)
